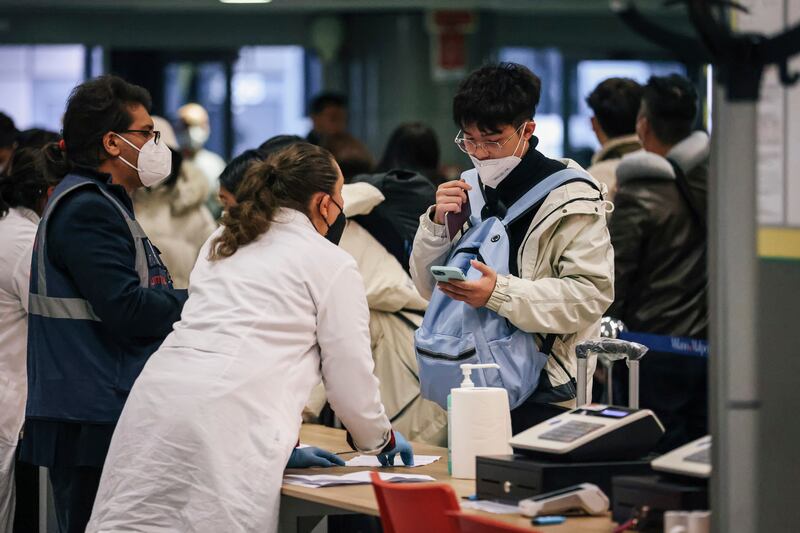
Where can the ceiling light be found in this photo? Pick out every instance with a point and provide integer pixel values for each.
(245, 1)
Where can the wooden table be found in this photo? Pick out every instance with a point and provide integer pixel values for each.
(302, 508)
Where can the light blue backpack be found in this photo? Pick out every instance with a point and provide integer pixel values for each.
(453, 333)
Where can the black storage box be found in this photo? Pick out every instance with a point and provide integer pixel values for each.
(516, 477)
(659, 494)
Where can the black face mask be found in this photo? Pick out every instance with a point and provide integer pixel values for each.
(336, 229)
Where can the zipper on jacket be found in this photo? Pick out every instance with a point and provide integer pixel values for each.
(437, 355)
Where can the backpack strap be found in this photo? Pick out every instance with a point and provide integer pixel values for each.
(537, 194)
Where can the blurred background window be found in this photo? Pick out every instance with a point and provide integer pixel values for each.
(36, 80)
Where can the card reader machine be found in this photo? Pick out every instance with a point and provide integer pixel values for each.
(594, 432)
(587, 444)
(693, 459)
(597, 432)
(586, 498)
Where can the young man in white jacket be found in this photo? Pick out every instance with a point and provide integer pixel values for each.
(561, 260)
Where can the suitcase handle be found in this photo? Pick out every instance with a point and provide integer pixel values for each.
(612, 349)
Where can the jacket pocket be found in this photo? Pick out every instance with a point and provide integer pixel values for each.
(440, 358)
(521, 363)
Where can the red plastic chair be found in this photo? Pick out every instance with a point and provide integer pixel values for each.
(414, 507)
(470, 523)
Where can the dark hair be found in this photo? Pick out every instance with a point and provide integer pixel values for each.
(615, 103)
(670, 105)
(411, 146)
(94, 108)
(273, 144)
(351, 154)
(496, 95)
(236, 170)
(36, 138)
(26, 184)
(287, 178)
(326, 99)
(8, 131)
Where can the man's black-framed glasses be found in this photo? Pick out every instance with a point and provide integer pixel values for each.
(147, 134)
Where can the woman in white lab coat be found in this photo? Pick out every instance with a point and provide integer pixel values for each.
(23, 194)
(273, 306)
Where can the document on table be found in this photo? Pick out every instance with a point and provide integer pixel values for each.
(372, 460)
(315, 481)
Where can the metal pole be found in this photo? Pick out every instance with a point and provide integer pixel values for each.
(633, 383)
(734, 397)
(610, 384)
(582, 381)
(42, 499)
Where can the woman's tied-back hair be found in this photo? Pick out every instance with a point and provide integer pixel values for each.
(26, 184)
(288, 178)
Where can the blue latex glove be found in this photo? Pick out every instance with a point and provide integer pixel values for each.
(311, 456)
(402, 447)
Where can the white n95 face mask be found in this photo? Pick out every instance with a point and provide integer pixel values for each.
(493, 171)
(198, 136)
(155, 161)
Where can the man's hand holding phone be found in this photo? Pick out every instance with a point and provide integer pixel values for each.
(474, 293)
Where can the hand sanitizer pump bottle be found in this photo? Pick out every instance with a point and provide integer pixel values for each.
(479, 423)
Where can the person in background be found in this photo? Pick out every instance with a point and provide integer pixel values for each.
(174, 213)
(236, 170)
(101, 300)
(413, 146)
(8, 141)
(193, 130)
(26, 514)
(233, 174)
(36, 138)
(328, 112)
(351, 154)
(660, 241)
(615, 104)
(23, 194)
(560, 257)
(275, 307)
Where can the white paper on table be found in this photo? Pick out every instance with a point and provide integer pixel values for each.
(356, 478)
(372, 460)
(489, 506)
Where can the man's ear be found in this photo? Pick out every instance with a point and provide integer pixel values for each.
(642, 128)
(111, 144)
(596, 126)
(530, 127)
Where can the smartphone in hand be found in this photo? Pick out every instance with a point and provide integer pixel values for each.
(447, 273)
(455, 222)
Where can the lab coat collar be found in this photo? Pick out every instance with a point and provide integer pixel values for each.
(286, 215)
(30, 214)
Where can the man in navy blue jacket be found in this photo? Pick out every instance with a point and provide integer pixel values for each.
(101, 300)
